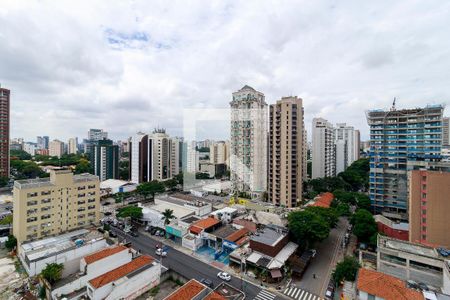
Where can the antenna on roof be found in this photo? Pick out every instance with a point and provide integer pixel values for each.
(393, 104)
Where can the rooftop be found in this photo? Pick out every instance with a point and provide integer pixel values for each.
(140, 263)
(251, 226)
(225, 291)
(41, 182)
(104, 253)
(206, 223)
(237, 235)
(188, 291)
(47, 247)
(114, 183)
(405, 246)
(385, 286)
(324, 200)
(224, 231)
(270, 235)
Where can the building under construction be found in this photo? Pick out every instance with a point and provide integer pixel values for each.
(396, 137)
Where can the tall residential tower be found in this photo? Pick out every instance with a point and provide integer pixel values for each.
(286, 157)
(248, 146)
(4, 132)
(323, 149)
(396, 137)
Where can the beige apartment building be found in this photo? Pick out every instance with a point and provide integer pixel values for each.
(286, 157)
(56, 148)
(219, 153)
(51, 206)
(429, 207)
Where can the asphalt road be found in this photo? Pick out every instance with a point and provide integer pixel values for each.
(191, 267)
(328, 253)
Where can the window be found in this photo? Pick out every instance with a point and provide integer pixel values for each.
(44, 193)
(31, 203)
(370, 297)
(30, 195)
(44, 217)
(44, 201)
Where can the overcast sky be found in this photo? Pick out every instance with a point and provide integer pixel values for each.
(135, 65)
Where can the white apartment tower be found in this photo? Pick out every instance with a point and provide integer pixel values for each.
(347, 146)
(192, 163)
(323, 149)
(72, 146)
(219, 153)
(248, 146)
(154, 156)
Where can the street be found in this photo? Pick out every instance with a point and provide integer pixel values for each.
(328, 253)
(191, 267)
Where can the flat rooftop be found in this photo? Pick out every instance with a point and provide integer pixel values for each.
(224, 231)
(42, 182)
(270, 235)
(405, 246)
(47, 247)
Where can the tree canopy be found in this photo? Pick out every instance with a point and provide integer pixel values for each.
(346, 270)
(52, 272)
(168, 215)
(150, 188)
(328, 214)
(308, 227)
(11, 242)
(20, 154)
(364, 225)
(131, 211)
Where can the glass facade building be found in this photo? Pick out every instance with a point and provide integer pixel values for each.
(396, 137)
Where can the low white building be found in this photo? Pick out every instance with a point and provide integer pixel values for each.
(66, 249)
(127, 281)
(90, 267)
(152, 217)
(226, 214)
(114, 186)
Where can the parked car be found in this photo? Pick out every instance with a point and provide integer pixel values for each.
(153, 231)
(329, 294)
(134, 233)
(207, 282)
(161, 252)
(412, 284)
(423, 286)
(443, 252)
(224, 276)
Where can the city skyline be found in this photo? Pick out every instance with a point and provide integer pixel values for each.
(135, 70)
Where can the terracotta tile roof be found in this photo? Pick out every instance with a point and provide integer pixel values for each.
(237, 235)
(242, 240)
(103, 253)
(121, 271)
(385, 286)
(188, 291)
(206, 223)
(195, 229)
(215, 296)
(324, 200)
(251, 226)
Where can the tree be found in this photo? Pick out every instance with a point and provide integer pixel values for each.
(202, 175)
(4, 181)
(52, 272)
(131, 211)
(344, 197)
(6, 220)
(179, 178)
(343, 209)
(307, 227)
(346, 270)
(20, 154)
(170, 184)
(328, 214)
(168, 215)
(11, 242)
(83, 166)
(363, 201)
(150, 188)
(364, 225)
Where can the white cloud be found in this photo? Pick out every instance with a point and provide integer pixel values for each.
(128, 66)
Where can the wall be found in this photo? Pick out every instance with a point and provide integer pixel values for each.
(267, 249)
(391, 232)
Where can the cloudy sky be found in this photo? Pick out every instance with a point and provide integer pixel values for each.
(128, 66)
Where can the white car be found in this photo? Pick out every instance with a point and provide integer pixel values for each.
(224, 276)
(161, 252)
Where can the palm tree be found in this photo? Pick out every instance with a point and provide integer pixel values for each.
(168, 215)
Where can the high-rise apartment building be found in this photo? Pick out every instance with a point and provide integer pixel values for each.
(347, 146)
(105, 160)
(429, 207)
(97, 134)
(72, 147)
(323, 149)
(192, 159)
(56, 148)
(219, 153)
(51, 206)
(154, 156)
(248, 145)
(286, 159)
(446, 132)
(396, 137)
(30, 148)
(42, 142)
(4, 131)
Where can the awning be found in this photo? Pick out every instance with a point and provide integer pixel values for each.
(254, 257)
(276, 273)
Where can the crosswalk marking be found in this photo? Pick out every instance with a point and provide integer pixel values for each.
(300, 294)
(264, 295)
